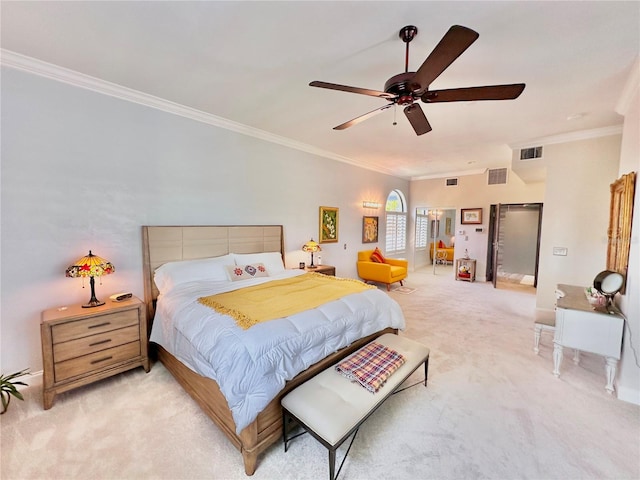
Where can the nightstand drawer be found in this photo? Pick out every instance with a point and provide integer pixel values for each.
(95, 361)
(91, 326)
(95, 343)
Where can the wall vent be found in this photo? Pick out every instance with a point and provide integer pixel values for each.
(452, 182)
(531, 153)
(497, 176)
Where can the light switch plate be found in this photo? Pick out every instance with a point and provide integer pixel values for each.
(560, 251)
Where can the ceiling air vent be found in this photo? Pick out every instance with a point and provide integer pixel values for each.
(497, 176)
(452, 182)
(530, 153)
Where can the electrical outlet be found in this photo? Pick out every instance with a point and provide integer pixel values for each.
(345, 246)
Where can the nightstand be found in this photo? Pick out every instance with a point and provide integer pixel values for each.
(466, 269)
(83, 345)
(324, 269)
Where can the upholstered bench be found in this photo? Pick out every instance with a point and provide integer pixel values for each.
(331, 407)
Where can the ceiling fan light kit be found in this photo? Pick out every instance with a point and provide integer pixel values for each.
(406, 88)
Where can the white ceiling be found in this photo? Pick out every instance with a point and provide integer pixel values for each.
(251, 63)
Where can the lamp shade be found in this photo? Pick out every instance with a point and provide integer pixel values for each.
(91, 266)
(311, 246)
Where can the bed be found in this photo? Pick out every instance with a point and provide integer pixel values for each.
(178, 318)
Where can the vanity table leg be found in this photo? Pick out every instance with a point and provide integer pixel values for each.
(557, 359)
(611, 366)
(576, 356)
(537, 330)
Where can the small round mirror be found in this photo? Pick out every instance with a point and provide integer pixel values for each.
(608, 282)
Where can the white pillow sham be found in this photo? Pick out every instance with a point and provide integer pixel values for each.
(271, 260)
(172, 274)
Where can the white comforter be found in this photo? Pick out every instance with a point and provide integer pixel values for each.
(251, 366)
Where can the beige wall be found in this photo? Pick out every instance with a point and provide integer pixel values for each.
(576, 213)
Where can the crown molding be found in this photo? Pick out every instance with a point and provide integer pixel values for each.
(57, 73)
(569, 137)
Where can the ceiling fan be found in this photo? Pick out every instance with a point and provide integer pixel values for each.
(405, 88)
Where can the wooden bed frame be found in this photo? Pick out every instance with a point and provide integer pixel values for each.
(162, 244)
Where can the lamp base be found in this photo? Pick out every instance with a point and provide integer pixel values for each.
(93, 303)
(312, 266)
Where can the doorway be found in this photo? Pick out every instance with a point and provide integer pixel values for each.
(514, 245)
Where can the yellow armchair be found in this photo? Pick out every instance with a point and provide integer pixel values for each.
(391, 271)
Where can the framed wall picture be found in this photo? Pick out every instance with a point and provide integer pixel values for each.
(471, 216)
(369, 229)
(619, 231)
(328, 225)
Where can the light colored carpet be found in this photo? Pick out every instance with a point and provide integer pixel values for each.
(492, 410)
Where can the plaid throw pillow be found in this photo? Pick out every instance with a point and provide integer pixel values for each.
(376, 256)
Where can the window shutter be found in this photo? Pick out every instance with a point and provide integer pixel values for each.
(422, 222)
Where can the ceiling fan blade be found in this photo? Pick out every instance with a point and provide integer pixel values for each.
(417, 119)
(361, 118)
(345, 88)
(489, 92)
(453, 44)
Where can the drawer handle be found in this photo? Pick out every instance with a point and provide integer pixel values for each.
(100, 342)
(99, 360)
(103, 324)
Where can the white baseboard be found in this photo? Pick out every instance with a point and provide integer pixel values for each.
(628, 395)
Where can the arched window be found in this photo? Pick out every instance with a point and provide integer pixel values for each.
(396, 223)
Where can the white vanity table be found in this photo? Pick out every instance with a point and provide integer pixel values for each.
(583, 328)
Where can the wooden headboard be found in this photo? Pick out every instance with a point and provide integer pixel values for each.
(162, 244)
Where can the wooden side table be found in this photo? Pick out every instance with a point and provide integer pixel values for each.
(83, 345)
(466, 269)
(324, 269)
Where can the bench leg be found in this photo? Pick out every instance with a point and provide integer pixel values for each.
(332, 463)
(426, 370)
(332, 456)
(284, 429)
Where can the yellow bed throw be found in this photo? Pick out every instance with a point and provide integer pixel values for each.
(281, 298)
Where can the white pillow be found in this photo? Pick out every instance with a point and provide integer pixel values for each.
(271, 260)
(245, 272)
(172, 274)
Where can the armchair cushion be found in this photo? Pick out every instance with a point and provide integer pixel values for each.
(390, 271)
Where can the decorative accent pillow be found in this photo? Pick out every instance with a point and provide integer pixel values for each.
(244, 272)
(441, 244)
(271, 260)
(376, 256)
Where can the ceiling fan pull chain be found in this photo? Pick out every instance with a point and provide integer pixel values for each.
(395, 109)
